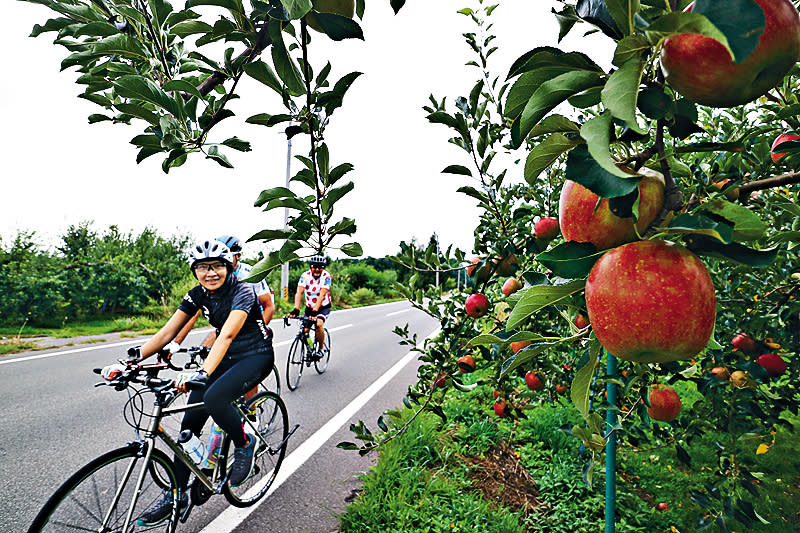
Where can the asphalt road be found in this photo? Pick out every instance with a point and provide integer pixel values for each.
(53, 420)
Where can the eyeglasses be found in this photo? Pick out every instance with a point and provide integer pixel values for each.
(315, 267)
(205, 267)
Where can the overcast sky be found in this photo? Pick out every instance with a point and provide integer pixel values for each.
(59, 170)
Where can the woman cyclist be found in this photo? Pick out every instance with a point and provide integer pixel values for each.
(239, 359)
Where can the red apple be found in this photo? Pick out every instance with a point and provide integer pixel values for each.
(721, 373)
(501, 408)
(482, 274)
(782, 138)
(702, 70)
(496, 394)
(546, 228)
(580, 321)
(773, 364)
(743, 342)
(511, 286)
(476, 305)
(561, 389)
(440, 381)
(662, 507)
(651, 302)
(731, 193)
(665, 404)
(507, 266)
(534, 381)
(466, 363)
(583, 220)
(519, 345)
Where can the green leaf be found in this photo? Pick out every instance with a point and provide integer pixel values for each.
(472, 192)
(440, 117)
(182, 86)
(621, 91)
(743, 31)
(271, 235)
(654, 103)
(597, 133)
(214, 154)
(554, 124)
(96, 29)
(547, 56)
(583, 169)
(95, 118)
(457, 169)
(237, 144)
(338, 172)
(623, 11)
(747, 226)
(262, 72)
(334, 195)
(631, 47)
(141, 88)
(191, 27)
(709, 246)
(550, 94)
(139, 111)
(231, 5)
(537, 297)
(686, 223)
(123, 45)
(352, 249)
(570, 260)
(522, 357)
(285, 66)
(580, 392)
(338, 27)
(271, 194)
(296, 8)
(680, 22)
(346, 226)
(488, 339)
(545, 154)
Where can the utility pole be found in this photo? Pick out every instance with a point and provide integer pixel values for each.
(285, 266)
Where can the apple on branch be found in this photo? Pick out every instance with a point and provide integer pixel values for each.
(665, 404)
(476, 305)
(511, 286)
(651, 302)
(546, 228)
(780, 139)
(583, 220)
(702, 69)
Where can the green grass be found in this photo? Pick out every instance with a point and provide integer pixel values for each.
(420, 482)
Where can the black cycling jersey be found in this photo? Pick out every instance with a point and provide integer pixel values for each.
(254, 337)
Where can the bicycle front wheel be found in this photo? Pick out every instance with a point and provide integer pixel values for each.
(294, 363)
(267, 412)
(98, 497)
(321, 365)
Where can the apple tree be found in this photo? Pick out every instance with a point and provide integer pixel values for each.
(172, 73)
(679, 225)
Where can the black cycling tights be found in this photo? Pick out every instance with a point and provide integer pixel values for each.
(230, 380)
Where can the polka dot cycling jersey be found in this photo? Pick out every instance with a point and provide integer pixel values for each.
(243, 270)
(313, 286)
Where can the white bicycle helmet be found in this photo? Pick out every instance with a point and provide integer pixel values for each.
(233, 243)
(210, 249)
(317, 260)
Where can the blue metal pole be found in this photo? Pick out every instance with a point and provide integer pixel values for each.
(611, 446)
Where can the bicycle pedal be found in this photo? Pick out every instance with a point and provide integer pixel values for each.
(185, 514)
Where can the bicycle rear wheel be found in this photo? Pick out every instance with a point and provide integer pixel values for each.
(272, 382)
(268, 413)
(294, 363)
(321, 365)
(98, 496)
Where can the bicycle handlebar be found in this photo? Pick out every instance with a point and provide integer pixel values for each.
(133, 370)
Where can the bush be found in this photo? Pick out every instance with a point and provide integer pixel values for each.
(363, 296)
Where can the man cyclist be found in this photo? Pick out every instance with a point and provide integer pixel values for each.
(241, 270)
(315, 285)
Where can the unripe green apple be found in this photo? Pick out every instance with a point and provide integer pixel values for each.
(702, 69)
(583, 220)
(651, 302)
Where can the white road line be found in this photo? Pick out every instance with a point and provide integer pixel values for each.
(231, 517)
(86, 349)
(399, 312)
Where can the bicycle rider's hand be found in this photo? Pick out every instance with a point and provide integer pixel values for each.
(111, 372)
(134, 354)
(198, 377)
(294, 313)
(173, 347)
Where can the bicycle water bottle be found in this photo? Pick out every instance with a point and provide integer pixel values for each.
(192, 445)
(214, 444)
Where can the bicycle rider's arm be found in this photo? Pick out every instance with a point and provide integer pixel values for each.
(268, 306)
(181, 336)
(298, 296)
(165, 334)
(229, 330)
(321, 298)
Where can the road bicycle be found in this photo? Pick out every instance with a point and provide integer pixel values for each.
(109, 493)
(302, 350)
